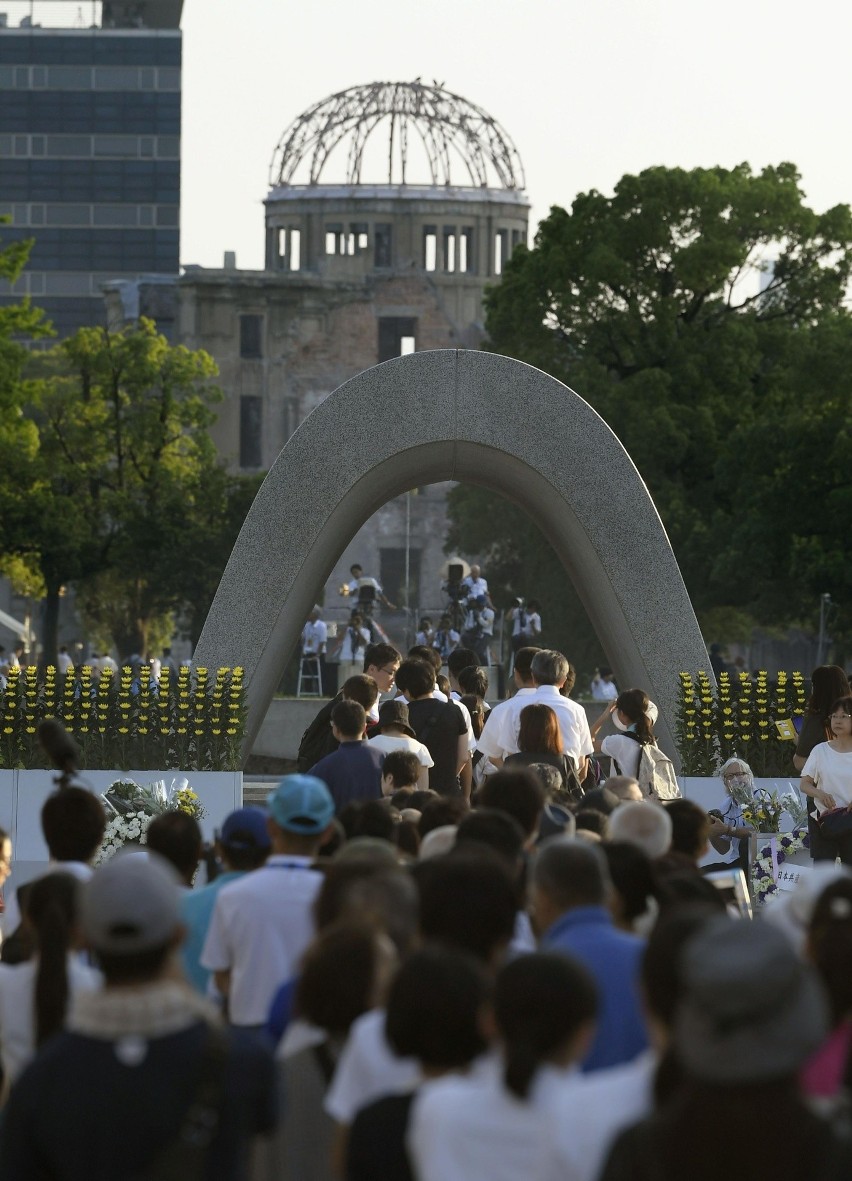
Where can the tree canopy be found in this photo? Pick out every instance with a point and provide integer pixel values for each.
(703, 314)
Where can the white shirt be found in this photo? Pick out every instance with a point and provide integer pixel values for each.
(367, 1069)
(260, 928)
(17, 1008)
(525, 623)
(831, 771)
(314, 637)
(732, 815)
(626, 752)
(389, 742)
(499, 736)
(475, 586)
(12, 914)
(63, 663)
(604, 690)
(346, 653)
(455, 698)
(573, 723)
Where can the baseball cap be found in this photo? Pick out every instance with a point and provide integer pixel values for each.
(301, 804)
(131, 904)
(245, 828)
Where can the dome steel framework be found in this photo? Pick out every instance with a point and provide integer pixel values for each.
(453, 132)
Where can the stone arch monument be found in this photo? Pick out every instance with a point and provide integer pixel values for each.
(456, 415)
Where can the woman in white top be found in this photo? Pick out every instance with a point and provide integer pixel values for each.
(634, 715)
(34, 996)
(351, 649)
(827, 776)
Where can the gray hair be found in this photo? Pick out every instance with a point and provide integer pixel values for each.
(550, 778)
(646, 825)
(549, 667)
(571, 873)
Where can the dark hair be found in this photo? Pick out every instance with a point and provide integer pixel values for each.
(473, 679)
(539, 732)
(338, 977)
(476, 708)
(497, 830)
(73, 822)
(662, 982)
(523, 662)
(362, 689)
(140, 967)
(570, 680)
(690, 828)
(443, 683)
(376, 655)
(407, 837)
(422, 797)
(350, 718)
(52, 910)
(633, 703)
(571, 873)
(403, 766)
(402, 798)
(632, 876)
(518, 792)
(429, 655)
(842, 703)
(246, 855)
(830, 944)
(374, 819)
(434, 1008)
(591, 820)
(440, 811)
(416, 678)
(177, 837)
(541, 1002)
(601, 799)
(828, 682)
(461, 658)
(468, 901)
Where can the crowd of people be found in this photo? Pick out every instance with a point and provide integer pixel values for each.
(445, 949)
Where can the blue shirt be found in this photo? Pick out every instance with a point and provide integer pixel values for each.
(352, 773)
(613, 958)
(196, 911)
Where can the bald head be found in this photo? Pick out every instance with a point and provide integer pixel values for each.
(646, 825)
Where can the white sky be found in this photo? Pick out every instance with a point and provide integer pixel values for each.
(588, 91)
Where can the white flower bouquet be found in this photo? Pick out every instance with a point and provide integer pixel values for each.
(134, 807)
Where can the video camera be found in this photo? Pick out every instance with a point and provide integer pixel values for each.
(453, 588)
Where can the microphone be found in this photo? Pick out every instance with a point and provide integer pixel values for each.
(59, 746)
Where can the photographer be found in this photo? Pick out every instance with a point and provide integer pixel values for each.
(526, 623)
(478, 628)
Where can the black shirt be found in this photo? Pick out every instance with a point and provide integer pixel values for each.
(439, 725)
(376, 1147)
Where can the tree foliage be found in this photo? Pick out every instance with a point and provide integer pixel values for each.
(703, 314)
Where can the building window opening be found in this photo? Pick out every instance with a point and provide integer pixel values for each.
(397, 337)
(466, 250)
(359, 239)
(295, 250)
(282, 248)
(449, 249)
(251, 426)
(335, 240)
(251, 337)
(500, 251)
(382, 246)
(430, 248)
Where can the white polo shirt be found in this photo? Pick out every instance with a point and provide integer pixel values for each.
(499, 737)
(260, 928)
(576, 739)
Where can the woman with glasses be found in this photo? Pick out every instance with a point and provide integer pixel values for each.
(827, 778)
(828, 683)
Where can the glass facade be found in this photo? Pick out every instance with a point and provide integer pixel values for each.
(89, 161)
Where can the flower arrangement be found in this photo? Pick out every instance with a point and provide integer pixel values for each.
(763, 881)
(135, 807)
(762, 809)
(737, 720)
(195, 721)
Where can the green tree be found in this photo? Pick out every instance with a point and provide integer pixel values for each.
(702, 314)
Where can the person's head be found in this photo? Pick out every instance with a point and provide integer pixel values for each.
(840, 718)
(550, 779)
(591, 820)
(5, 856)
(344, 973)
(475, 572)
(51, 910)
(243, 843)
(130, 917)
(566, 874)
(539, 731)
(356, 571)
(544, 1009)
(301, 815)
(634, 887)
(401, 798)
(468, 900)
(394, 719)
(690, 828)
(473, 680)
(649, 827)
(435, 1009)
(523, 666)
(348, 721)
(601, 799)
(443, 683)
(736, 775)
(425, 624)
(497, 830)
(369, 889)
(362, 689)
(556, 821)
(73, 823)
(381, 662)
(176, 836)
(570, 681)
(828, 682)
(316, 613)
(458, 659)
(441, 811)
(355, 620)
(373, 818)
(416, 679)
(625, 788)
(425, 652)
(752, 1011)
(518, 792)
(476, 708)
(444, 623)
(549, 668)
(400, 769)
(829, 946)
(632, 709)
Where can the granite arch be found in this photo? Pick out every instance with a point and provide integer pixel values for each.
(456, 415)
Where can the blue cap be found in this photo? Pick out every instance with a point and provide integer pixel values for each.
(301, 804)
(245, 829)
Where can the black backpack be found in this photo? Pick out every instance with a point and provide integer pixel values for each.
(318, 740)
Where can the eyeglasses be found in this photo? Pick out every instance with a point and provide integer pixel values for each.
(391, 672)
(839, 717)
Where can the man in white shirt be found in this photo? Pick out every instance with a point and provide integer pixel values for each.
(475, 585)
(263, 922)
(499, 738)
(315, 642)
(549, 673)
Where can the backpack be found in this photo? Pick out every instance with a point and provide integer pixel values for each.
(655, 773)
(318, 740)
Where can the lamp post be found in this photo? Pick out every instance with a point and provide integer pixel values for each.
(824, 604)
